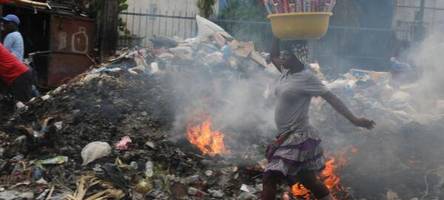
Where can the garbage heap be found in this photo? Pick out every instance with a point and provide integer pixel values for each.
(112, 133)
(400, 158)
(108, 133)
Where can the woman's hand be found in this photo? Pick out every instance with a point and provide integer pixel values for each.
(364, 123)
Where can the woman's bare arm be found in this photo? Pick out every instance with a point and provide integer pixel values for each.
(340, 107)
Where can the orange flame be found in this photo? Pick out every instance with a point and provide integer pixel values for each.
(208, 141)
(330, 179)
(328, 175)
(299, 190)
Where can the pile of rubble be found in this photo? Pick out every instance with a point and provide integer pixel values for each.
(401, 156)
(118, 131)
(107, 134)
(44, 145)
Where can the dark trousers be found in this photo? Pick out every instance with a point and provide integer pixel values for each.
(21, 88)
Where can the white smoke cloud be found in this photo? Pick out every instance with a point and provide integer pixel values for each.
(429, 61)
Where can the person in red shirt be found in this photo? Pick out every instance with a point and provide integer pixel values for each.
(15, 75)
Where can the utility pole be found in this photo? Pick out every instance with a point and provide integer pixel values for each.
(419, 23)
(108, 28)
(421, 11)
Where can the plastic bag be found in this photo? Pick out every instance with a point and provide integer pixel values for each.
(183, 52)
(94, 151)
(206, 28)
(55, 161)
(124, 143)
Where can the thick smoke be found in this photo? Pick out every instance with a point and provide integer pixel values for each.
(403, 149)
(403, 153)
(235, 99)
(429, 62)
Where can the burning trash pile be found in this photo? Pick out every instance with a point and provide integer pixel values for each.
(397, 159)
(106, 135)
(113, 133)
(149, 125)
(190, 119)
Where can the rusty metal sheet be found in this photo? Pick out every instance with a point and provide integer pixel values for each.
(72, 40)
(64, 67)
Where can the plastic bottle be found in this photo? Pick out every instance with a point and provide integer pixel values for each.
(327, 5)
(268, 7)
(285, 6)
(322, 6)
(276, 6)
(292, 5)
(149, 169)
(313, 5)
(330, 4)
(333, 4)
(318, 6)
(298, 6)
(307, 5)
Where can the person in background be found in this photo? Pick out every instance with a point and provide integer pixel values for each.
(297, 155)
(13, 40)
(15, 75)
(401, 72)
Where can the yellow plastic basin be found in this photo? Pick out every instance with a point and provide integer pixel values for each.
(300, 26)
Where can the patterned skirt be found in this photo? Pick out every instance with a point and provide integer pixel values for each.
(301, 151)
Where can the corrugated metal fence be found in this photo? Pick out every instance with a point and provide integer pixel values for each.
(144, 25)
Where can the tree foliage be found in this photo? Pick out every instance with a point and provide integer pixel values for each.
(95, 6)
(206, 7)
(246, 10)
(240, 19)
(95, 10)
